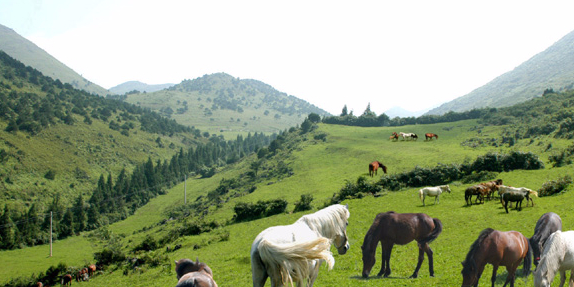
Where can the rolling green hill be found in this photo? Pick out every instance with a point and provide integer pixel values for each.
(550, 69)
(131, 86)
(28, 53)
(222, 104)
(319, 163)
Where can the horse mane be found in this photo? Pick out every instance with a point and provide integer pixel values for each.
(329, 221)
(469, 261)
(550, 261)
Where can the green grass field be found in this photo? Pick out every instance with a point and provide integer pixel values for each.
(322, 168)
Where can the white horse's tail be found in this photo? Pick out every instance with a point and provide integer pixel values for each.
(532, 192)
(291, 260)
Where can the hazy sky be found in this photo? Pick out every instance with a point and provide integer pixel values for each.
(414, 54)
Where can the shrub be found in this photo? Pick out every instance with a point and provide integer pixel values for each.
(248, 211)
(356, 190)
(304, 203)
(555, 186)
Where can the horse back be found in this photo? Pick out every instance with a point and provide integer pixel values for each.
(506, 248)
(196, 279)
(402, 228)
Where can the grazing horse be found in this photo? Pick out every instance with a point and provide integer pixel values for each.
(492, 186)
(496, 248)
(374, 167)
(392, 228)
(293, 253)
(91, 269)
(412, 136)
(394, 136)
(502, 189)
(558, 256)
(480, 191)
(547, 224)
(429, 136)
(193, 274)
(67, 280)
(433, 191)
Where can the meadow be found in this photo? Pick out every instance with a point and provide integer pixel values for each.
(321, 168)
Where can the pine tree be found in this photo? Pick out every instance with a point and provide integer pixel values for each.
(6, 230)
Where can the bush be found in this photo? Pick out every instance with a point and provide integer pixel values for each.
(304, 203)
(555, 186)
(356, 190)
(248, 211)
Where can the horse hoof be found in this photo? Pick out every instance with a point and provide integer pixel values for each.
(414, 276)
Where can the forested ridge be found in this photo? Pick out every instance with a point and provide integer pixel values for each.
(31, 103)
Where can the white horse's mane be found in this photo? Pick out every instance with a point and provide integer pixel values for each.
(554, 248)
(327, 222)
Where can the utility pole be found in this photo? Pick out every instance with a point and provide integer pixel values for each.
(185, 189)
(50, 233)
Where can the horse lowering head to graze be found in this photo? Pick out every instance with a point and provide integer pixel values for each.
(67, 280)
(193, 274)
(374, 167)
(558, 256)
(292, 254)
(390, 228)
(548, 223)
(429, 136)
(394, 136)
(479, 190)
(497, 248)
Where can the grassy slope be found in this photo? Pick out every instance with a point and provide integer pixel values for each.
(321, 169)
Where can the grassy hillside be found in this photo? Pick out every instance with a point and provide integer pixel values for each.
(322, 168)
(551, 69)
(222, 104)
(28, 53)
(131, 86)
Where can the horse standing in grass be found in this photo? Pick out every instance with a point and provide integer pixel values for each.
(547, 224)
(558, 256)
(392, 228)
(293, 253)
(411, 136)
(67, 280)
(394, 136)
(374, 167)
(492, 186)
(502, 189)
(429, 136)
(479, 190)
(433, 191)
(496, 248)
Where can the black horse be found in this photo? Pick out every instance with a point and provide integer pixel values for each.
(547, 224)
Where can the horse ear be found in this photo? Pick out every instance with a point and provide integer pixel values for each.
(347, 206)
(197, 260)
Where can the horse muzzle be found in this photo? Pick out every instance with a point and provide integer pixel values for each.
(342, 250)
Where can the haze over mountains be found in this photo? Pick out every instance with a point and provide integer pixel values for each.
(550, 69)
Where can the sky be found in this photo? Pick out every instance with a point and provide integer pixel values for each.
(413, 54)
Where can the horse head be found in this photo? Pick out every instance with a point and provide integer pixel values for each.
(447, 188)
(341, 240)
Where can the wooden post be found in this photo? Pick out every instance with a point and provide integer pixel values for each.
(185, 189)
(50, 234)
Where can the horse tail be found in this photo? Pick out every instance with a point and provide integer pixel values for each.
(290, 261)
(527, 260)
(532, 192)
(435, 232)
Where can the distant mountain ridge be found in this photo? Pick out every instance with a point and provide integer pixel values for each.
(550, 69)
(402, 113)
(220, 103)
(138, 86)
(28, 53)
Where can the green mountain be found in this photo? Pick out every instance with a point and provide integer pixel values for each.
(132, 86)
(221, 104)
(28, 53)
(550, 69)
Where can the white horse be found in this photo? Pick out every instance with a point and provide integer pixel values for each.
(558, 256)
(293, 253)
(433, 191)
(408, 135)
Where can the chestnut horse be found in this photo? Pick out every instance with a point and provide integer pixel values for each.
(394, 136)
(429, 136)
(193, 274)
(496, 248)
(374, 167)
(480, 191)
(67, 280)
(547, 224)
(392, 228)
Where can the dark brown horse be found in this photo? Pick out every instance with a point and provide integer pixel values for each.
(429, 136)
(191, 273)
(496, 248)
(67, 280)
(547, 224)
(392, 228)
(394, 136)
(374, 167)
(480, 191)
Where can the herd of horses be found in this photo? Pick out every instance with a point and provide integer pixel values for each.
(507, 194)
(411, 136)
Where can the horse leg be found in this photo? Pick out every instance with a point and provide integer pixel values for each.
(386, 265)
(494, 270)
(506, 205)
(314, 272)
(259, 272)
(420, 262)
(436, 200)
(563, 278)
(429, 253)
